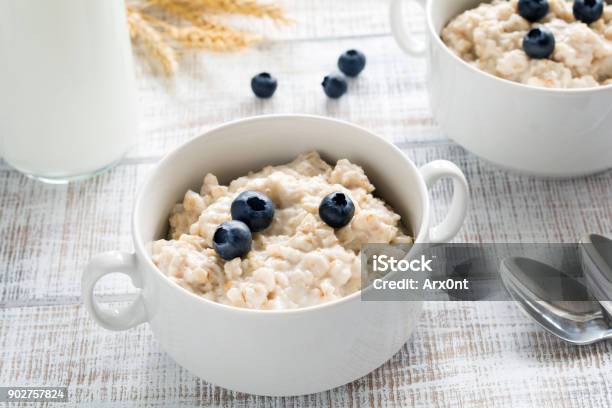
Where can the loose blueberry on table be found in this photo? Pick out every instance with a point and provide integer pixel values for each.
(334, 86)
(539, 43)
(533, 10)
(336, 210)
(352, 62)
(232, 239)
(253, 208)
(588, 11)
(264, 85)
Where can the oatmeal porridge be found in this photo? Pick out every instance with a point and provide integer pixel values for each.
(298, 260)
(491, 38)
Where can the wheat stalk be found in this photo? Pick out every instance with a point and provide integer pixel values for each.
(205, 33)
(244, 7)
(196, 29)
(153, 42)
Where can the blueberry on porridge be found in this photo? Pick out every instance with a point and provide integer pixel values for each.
(539, 43)
(298, 260)
(533, 10)
(336, 210)
(232, 239)
(588, 11)
(255, 209)
(571, 49)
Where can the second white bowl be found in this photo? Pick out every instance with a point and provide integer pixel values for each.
(539, 131)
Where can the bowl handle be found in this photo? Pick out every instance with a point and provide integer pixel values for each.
(398, 28)
(432, 173)
(103, 264)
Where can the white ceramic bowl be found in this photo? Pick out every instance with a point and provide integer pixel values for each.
(272, 352)
(546, 132)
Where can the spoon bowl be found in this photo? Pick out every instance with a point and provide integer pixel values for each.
(580, 320)
(596, 259)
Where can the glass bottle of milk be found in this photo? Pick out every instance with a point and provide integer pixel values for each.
(68, 106)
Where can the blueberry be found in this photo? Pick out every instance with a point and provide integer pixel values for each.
(588, 11)
(263, 85)
(336, 210)
(533, 10)
(539, 43)
(255, 209)
(352, 62)
(232, 239)
(334, 86)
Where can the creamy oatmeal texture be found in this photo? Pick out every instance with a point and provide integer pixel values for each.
(490, 37)
(299, 260)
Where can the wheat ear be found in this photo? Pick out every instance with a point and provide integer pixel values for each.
(142, 31)
(245, 7)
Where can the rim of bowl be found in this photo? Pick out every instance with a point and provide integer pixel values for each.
(139, 245)
(540, 89)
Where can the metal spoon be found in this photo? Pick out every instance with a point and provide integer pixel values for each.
(596, 257)
(530, 283)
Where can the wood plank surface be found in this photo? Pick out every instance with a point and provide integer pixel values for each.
(329, 20)
(461, 355)
(389, 97)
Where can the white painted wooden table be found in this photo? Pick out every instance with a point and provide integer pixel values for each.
(461, 355)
